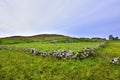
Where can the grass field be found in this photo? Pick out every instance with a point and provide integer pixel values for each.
(59, 46)
(20, 65)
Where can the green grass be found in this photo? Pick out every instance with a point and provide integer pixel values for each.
(112, 49)
(59, 46)
(20, 65)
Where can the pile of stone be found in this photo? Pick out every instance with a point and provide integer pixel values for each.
(37, 52)
(5, 47)
(115, 60)
(65, 53)
(57, 54)
(85, 53)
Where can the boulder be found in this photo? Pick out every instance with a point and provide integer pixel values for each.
(115, 60)
(69, 54)
(32, 50)
(44, 54)
(63, 53)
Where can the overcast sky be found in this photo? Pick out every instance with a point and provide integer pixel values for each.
(79, 18)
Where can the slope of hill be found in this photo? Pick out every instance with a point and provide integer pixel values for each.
(28, 39)
(41, 36)
(45, 38)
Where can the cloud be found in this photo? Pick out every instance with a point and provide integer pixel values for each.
(27, 17)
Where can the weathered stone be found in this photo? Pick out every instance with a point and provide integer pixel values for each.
(73, 57)
(115, 60)
(62, 53)
(32, 50)
(38, 53)
(69, 54)
(44, 54)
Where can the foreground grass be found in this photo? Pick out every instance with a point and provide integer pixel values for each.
(21, 65)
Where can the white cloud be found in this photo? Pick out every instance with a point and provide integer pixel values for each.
(51, 16)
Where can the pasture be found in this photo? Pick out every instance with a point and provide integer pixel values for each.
(17, 64)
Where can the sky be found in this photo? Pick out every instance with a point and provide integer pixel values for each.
(77, 18)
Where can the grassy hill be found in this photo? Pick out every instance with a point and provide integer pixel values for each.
(46, 38)
(40, 36)
(17, 64)
(35, 38)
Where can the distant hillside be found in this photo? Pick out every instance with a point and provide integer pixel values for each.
(45, 38)
(50, 35)
(41, 36)
(28, 39)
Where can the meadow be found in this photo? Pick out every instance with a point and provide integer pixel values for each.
(17, 64)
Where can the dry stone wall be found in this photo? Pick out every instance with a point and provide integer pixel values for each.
(82, 54)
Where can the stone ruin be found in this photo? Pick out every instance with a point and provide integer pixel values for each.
(113, 38)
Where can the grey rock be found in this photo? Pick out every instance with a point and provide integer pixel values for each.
(115, 60)
(32, 50)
